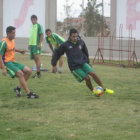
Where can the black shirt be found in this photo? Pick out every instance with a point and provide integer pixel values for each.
(77, 54)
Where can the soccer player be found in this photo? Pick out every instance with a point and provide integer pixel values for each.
(54, 41)
(35, 43)
(10, 66)
(78, 60)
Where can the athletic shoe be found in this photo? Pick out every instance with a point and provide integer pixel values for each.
(32, 95)
(18, 92)
(59, 71)
(36, 75)
(108, 91)
(39, 75)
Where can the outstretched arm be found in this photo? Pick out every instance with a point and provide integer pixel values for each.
(20, 51)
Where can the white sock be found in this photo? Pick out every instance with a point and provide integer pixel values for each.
(59, 69)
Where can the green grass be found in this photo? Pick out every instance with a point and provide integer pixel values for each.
(67, 111)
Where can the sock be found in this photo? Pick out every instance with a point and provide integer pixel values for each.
(59, 69)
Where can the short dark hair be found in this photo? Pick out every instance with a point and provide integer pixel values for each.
(73, 30)
(9, 29)
(33, 16)
(48, 30)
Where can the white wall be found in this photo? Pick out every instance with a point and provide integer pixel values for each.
(128, 15)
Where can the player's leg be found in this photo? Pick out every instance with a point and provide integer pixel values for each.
(54, 69)
(96, 78)
(38, 63)
(27, 72)
(23, 83)
(60, 64)
(15, 69)
(12, 68)
(35, 54)
(89, 70)
(80, 75)
(88, 83)
(22, 80)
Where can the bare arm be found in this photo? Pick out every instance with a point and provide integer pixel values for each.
(51, 47)
(2, 66)
(20, 51)
(41, 40)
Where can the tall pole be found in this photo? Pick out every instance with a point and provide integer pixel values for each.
(102, 32)
(82, 30)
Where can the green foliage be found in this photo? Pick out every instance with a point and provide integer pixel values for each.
(67, 111)
(93, 19)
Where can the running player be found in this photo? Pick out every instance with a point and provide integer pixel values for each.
(78, 60)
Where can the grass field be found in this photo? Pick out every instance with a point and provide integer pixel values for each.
(67, 111)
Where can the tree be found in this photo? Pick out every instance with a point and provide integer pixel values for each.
(67, 8)
(93, 18)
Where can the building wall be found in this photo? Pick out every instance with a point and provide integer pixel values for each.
(50, 22)
(51, 16)
(113, 29)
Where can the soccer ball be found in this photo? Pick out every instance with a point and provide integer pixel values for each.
(98, 91)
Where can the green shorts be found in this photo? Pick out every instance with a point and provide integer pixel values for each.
(13, 67)
(82, 72)
(34, 51)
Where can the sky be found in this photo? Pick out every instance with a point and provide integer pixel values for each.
(76, 8)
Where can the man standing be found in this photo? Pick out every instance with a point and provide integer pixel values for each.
(35, 43)
(54, 41)
(78, 60)
(10, 66)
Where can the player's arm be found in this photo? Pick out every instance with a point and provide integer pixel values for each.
(51, 47)
(4, 71)
(20, 51)
(41, 36)
(85, 51)
(41, 40)
(57, 45)
(59, 40)
(3, 47)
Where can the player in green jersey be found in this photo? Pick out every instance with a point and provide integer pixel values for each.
(35, 43)
(54, 40)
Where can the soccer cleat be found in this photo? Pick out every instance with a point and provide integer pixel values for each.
(18, 92)
(108, 91)
(36, 75)
(59, 71)
(32, 95)
(39, 75)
